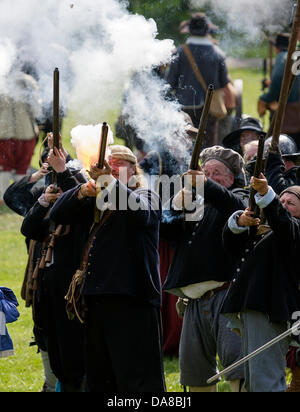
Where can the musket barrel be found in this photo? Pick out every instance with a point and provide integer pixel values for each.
(202, 128)
(55, 116)
(55, 125)
(103, 144)
(257, 171)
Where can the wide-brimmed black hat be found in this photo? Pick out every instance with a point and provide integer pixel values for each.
(200, 24)
(250, 123)
(282, 41)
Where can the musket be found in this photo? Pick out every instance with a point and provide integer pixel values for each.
(202, 128)
(55, 120)
(102, 146)
(101, 158)
(287, 77)
(259, 163)
(294, 329)
(263, 83)
(257, 171)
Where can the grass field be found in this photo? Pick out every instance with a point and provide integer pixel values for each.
(23, 372)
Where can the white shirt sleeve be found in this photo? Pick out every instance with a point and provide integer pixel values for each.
(233, 225)
(264, 201)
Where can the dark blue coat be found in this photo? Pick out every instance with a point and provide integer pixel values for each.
(267, 275)
(199, 254)
(124, 256)
(211, 63)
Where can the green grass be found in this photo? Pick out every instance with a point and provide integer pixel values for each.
(23, 371)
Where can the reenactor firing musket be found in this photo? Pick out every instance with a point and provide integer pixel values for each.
(285, 90)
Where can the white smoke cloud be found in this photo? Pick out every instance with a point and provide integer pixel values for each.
(250, 16)
(156, 119)
(96, 45)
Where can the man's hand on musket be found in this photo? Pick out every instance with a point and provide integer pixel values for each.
(52, 193)
(247, 219)
(57, 160)
(39, 174)
(260, 185)
(50, 143)
(196, 177)
(95, 172)
(88, 189)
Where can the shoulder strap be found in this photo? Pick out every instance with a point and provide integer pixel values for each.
(194, 66)
(92, 234)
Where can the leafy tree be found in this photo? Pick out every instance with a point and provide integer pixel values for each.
(168, 14)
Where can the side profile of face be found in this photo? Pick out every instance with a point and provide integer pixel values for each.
(122, 169)
(219, 172)
(291, 203)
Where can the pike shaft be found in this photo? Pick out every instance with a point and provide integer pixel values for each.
(284, 93)
(255, 353)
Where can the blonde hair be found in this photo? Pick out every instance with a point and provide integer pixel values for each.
(140, 178)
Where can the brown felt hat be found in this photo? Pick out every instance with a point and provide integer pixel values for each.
(123, 153)
(233, 160)
(294, 190)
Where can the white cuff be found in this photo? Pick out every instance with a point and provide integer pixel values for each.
(264, 201)
(42, 201)
(233, 225)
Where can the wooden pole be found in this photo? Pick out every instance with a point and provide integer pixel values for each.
(287, 78)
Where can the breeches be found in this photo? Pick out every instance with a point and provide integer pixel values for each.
(16, 155)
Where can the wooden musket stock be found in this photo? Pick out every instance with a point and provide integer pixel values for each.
(202, 129)
(55, 121)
